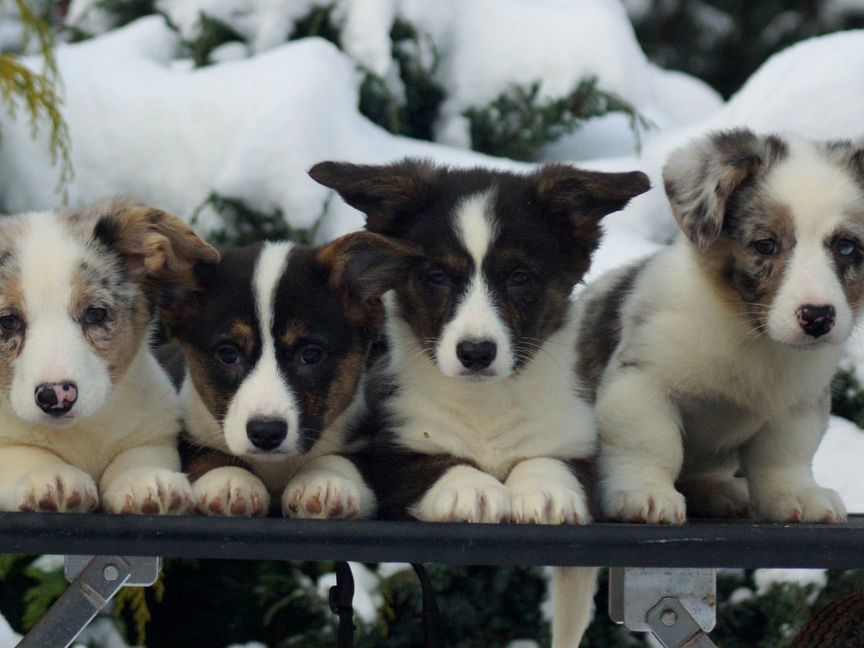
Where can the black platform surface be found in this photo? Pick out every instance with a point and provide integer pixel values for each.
(701, 543)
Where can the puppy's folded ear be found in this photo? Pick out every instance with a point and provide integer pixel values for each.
(585, 196)
(384, 193)
(154, 244)
(363, 266)
(702, 176)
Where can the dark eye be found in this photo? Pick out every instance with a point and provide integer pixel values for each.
(519, 277)
(766, 246)
(95, 315)
(436, 277)
(228, 354)
(311, 354)
(11, 323)
(845, 247)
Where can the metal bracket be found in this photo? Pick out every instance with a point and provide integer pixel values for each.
(678, 606)
(94, 581)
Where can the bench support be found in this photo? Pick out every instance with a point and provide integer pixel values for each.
(678, 606)
(94, 581)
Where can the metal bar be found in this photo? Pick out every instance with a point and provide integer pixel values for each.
(698, 544)
(85, 597)
(673, 625)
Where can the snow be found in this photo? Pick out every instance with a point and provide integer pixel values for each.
(367, 598)
(766, 579)
(837, 463)
(8, 637)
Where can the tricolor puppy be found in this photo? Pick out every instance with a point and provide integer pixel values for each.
(715, 355)
(481, 418)
(276, 337)
(86, 413)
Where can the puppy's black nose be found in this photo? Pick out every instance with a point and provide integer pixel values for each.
(266, 433)
(476, 355)
(816, 320)
(56, 398)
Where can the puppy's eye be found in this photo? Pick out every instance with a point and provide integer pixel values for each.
(228, 354)
(845, 247)
(766, 246)
(95, 315)
(436, 277)
(519, 277)
(11, 323)
(311, 354)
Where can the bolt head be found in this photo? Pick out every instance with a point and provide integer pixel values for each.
(669, 618)
(111, 573)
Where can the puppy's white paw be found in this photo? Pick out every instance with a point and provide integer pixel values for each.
(61, 488)
(321, 494)
(656, 506)
(148, 491)
(547, 502)
(812, 504)
(464, 494)
(716, 496)
(231, 491)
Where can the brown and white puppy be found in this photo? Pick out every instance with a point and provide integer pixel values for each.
(482, 418)
(276, 337)
(716, 354)
(87, 416)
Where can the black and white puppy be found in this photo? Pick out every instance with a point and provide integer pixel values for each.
(481, 419)
(275, 338)
(87, 416)
(716, 354)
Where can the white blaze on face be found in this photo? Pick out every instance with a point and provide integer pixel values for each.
(264, 394)
(819, 195)
(55, 349)
(476, 319)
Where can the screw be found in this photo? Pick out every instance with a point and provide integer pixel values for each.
(111, 573)
(668, 618)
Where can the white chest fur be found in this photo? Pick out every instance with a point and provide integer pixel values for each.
(535, 413)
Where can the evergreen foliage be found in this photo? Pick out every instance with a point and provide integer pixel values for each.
(518, 122)
(244, 225)
(847, 397)
(724, 41)
(35, 93)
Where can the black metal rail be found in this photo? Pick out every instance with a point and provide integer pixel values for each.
(698, 544)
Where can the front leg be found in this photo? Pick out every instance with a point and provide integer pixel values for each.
(545, 491)
(464, 494)
(146, 480)
(34, 479)
(778, 463)
(641, 450)
(330, 486)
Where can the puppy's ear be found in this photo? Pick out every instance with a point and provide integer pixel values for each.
(154, 244)
(586, 196)
(701, 178)
(385, 193)
(363, 266)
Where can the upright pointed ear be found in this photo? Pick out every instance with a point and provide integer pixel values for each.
(363, 266)
(590, 195)
(154, 244)
(383, 192)
(702, 176)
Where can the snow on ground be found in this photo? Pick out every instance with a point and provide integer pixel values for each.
(838, 462)
(8, 638)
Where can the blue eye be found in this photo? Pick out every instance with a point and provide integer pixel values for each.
(845, 247)
(11, 323)
(95, 315)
